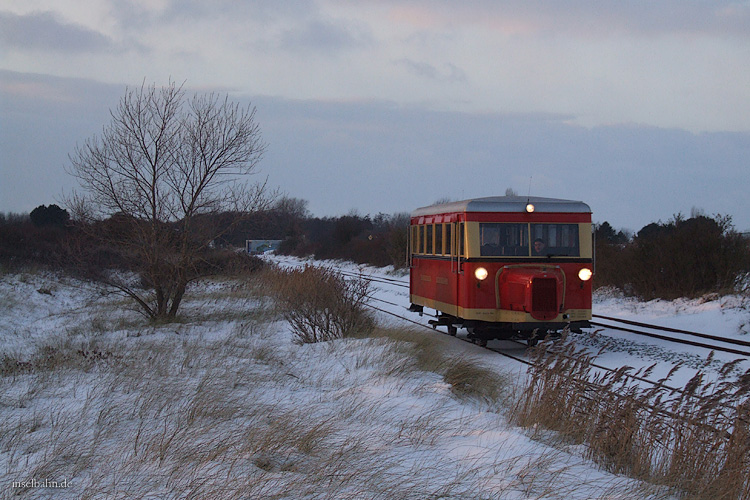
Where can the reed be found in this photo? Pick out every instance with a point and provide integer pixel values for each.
(694, 440)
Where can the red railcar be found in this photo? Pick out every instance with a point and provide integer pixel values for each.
(503, 267)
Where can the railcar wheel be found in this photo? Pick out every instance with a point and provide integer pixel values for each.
(452, 330)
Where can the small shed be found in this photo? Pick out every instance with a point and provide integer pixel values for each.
(255, 247)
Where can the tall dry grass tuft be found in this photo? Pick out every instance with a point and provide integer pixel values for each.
(694, 440)
(423, 349)
(320, 304)
(468, 378)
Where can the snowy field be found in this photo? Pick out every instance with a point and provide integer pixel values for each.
(223, 404)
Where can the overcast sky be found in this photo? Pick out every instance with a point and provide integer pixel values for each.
(639, 108)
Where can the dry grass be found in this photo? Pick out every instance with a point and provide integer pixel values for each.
(695, 440)
(185, 417)
(59, 356)
(469, 378)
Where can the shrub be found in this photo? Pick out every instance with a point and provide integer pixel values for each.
(49, 216)
(680, 258)
(229, 263)
(321, 305)
(25, 244)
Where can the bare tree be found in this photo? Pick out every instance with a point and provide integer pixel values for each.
(163, 166)
(294, 208)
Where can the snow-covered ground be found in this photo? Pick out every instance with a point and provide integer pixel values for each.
(727, 317)
(224, 405)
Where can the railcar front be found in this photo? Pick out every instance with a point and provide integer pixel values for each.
(503, 267)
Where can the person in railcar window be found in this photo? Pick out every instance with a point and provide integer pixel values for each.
(539, 246)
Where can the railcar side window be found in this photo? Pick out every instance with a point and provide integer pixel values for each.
(415, 239)
(448, 240)
(558, 239)
(497, 239)
(428, 239)
(439, 239)
(422, 241)
(461, 233)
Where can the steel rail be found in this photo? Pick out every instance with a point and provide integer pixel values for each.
(659, 384)
(743, 343)
(594, 365)
(376, 279)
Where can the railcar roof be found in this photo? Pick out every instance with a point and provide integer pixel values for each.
(505, 204)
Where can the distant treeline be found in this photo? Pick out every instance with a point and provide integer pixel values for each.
(679, 258)
(684, 257)
(48, 237)
(380, 240)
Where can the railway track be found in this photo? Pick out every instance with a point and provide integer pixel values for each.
(674, 335)
(682, 337)
(503, 353)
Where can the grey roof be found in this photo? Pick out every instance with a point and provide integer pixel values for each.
(505, 204)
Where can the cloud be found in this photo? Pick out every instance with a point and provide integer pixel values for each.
(603, 62)
(580, 18)
(325, 35)
(261, 12)
(450, 73)
(376, 156)
(45, 31)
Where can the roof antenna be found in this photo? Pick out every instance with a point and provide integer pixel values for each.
(529, 205)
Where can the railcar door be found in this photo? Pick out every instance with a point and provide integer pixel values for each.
(457, 261)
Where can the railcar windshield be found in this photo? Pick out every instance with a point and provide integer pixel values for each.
(524, 240)
(556, 239)
(503, 239)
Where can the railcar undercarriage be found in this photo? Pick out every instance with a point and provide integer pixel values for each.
(480, 332)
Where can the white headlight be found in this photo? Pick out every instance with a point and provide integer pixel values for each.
(481, 273)
(530, 207)
(585, 274)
